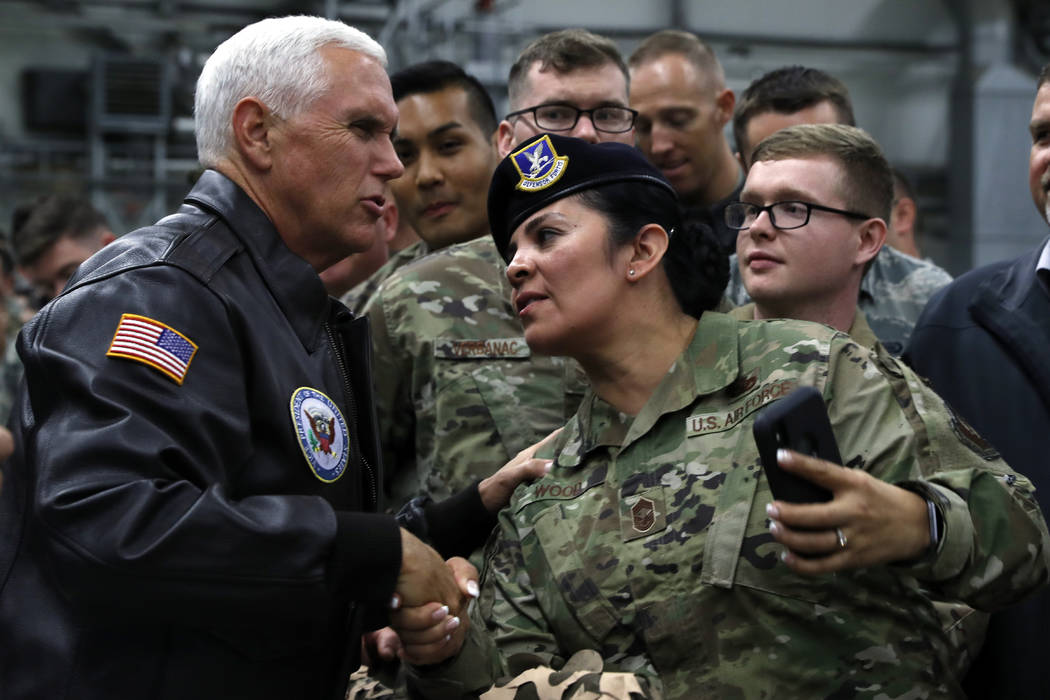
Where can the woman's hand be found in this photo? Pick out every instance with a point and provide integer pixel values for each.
(496, 490)
(868, 521)
(431, 633)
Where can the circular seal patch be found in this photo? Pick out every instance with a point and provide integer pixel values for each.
(322, 431)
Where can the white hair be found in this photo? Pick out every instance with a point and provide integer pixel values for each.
(276, 60)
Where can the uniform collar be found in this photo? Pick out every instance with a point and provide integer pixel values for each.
(294, 284)
(860, 331)
(709, 364)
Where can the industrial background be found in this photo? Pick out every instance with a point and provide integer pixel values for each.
(96, 95)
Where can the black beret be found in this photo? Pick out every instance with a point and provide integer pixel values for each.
(548, 167)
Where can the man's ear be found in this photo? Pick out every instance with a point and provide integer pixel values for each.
(904, 214)
(740, 159)
(725, 101)
(647, 250)
(872, 236)
(252, 123)
(504, 139)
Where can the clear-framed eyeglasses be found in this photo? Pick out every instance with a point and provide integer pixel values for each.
(561, 117)
(783, 215)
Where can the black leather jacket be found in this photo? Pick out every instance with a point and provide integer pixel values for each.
(160, 540)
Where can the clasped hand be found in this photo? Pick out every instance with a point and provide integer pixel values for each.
(429, 608)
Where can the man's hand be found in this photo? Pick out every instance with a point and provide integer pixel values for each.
(867, 523)
(431, 633)
(424, 576)
(496, 490)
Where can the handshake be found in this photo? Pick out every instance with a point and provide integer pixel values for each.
(428, 619)
(429, 610)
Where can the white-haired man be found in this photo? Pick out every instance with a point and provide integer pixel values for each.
(190, 511)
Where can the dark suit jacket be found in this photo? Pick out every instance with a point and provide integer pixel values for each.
(984, 343)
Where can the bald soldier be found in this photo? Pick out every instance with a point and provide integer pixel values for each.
(678, 87)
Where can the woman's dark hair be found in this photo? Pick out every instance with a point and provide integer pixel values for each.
(695, 263)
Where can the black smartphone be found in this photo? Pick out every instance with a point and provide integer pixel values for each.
(798, 422)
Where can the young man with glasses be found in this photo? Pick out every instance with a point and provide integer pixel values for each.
(895, 286)
(570, 82)
(812, 219)
(811, 216)
(678, 87)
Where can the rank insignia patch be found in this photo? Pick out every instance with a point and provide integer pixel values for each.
(644, 515)
(322, 433)
(153, 343)
(539, 164)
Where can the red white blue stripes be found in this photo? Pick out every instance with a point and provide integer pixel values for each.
(153, 343)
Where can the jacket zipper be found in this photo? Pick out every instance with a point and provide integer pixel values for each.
(351, 400)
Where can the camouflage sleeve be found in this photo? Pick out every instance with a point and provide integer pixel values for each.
(995, 548)
(508, 610)
(581, 678)
(391, 372)
(510, 636)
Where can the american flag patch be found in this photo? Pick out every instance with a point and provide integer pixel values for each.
(153, 343)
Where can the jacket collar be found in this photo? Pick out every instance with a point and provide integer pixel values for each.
(1012, 305)
(293, 283)
(709, 364)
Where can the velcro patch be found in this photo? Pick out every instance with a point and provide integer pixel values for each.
(485, 348)
(153, 343)
(969, 436)
(642, 514)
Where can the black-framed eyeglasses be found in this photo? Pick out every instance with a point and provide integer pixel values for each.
(561, 117)
(783, 215)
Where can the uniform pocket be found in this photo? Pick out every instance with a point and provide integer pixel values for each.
(581, 558)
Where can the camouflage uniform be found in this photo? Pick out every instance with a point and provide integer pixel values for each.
(964, 626)
(358, 297)
(458, 391)
(649, 540)
(11, 372)
(893, 293)
(860, 331)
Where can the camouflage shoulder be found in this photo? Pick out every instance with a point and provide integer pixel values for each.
(785, 332)
(483, 248)
(357, 298)
(462, 272)
(893, 267)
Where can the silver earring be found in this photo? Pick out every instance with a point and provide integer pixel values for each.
(631, 272)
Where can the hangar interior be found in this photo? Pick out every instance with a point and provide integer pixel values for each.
(96, 95)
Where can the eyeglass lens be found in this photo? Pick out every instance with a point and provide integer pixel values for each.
(564, 117)
(783, 215)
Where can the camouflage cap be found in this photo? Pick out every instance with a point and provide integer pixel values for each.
(548, 167)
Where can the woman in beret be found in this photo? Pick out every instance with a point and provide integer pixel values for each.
(654, 540)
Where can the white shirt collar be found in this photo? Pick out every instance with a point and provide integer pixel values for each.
(1044, 258)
